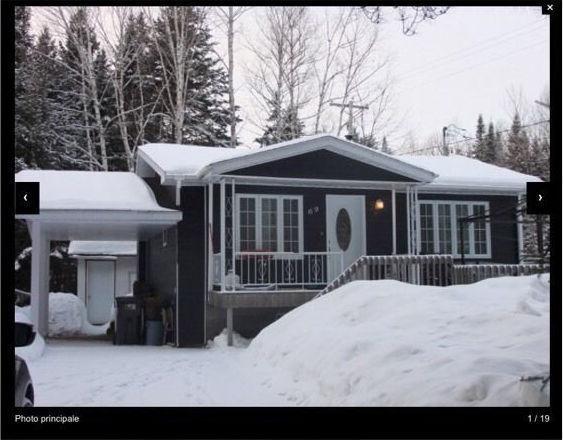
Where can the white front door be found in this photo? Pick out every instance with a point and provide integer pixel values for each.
(345, 231)
(100, 290)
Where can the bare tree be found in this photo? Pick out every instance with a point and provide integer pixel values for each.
(281, 75)
(181, 27)
(409, 16)
(82, 45)
(228, 16)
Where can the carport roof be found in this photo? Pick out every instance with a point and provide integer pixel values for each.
(89, 205)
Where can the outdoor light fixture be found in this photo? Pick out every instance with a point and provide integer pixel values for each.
(378, 205)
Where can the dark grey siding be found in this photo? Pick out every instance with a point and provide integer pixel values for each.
(378, 223)
(321, 164)
(192, 268)
(504, 236)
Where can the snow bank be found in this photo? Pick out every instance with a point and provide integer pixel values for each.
(221, 341)
(67, 317)
(35, 349)
(387, 343)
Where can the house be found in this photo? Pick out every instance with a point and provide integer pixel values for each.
(239, 236)
(105, 269)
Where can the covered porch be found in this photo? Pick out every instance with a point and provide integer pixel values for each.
(81, 205)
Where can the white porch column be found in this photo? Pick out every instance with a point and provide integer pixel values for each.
(408, 198)
(210, 257)
(520, 228)
(416, 225)
(223, 247)
(39, 279)
(394, 220)
(233, 230)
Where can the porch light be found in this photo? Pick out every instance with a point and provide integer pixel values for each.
(378, 205)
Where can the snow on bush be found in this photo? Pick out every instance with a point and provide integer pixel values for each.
(68, 317)
(387, 343)
(221, 341)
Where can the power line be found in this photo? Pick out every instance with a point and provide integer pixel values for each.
(490, 60)
(480, 46)
(472, 138)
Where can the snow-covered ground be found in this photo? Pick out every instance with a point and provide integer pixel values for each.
(369, 343)
(387, 343)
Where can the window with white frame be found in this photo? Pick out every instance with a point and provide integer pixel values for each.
(269, 223)
(440, 231)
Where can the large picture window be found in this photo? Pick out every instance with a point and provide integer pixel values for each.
(269, 223)
(440, 232)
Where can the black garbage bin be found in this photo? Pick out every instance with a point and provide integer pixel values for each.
(128, 320)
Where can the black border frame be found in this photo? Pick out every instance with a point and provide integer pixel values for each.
(217, 422)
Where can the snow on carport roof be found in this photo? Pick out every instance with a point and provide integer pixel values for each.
(90, 190)
(463, 172)
(80, 247)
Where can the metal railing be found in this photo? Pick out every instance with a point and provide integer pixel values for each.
(471, 273)
(278, 270)
(430, 270)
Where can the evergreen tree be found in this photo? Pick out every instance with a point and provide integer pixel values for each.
(480, 148)
(206, 115)
(385, 147)
(518, 148)
(490, 152)
(283, 125)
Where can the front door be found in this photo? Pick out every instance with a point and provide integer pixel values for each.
(345, 231)
(100, 287)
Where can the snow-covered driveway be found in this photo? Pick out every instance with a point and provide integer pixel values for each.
(97, 373)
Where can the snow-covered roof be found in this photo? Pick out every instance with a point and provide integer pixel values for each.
(463, 172)
(79, 247)
(185, 162)
(84, 190)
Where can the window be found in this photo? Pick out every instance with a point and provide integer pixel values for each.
(269, 223)
(440, 231)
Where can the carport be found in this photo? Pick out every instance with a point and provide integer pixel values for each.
(86, 205)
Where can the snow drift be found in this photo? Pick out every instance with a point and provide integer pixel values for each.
(387, 343)
(37, 347)
(68, 317)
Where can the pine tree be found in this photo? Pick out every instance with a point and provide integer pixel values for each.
(518, 148)
(385, 147)
(283, 125)
(489, 154)
(480, 148)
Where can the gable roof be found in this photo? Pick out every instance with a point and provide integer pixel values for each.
(189, 162)
(461, 172)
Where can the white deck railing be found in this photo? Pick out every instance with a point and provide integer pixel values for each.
(278, 270)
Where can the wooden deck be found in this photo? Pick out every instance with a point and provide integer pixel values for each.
(257, 299)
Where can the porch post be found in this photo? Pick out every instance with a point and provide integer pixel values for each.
(222, 235)
(520, 227)
(415, 222)
(408, 197)
(230, 326)
(233, 229)
(211, 261)
(39, 279)
(394, 220)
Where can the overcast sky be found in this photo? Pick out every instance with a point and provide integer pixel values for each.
(454, 68)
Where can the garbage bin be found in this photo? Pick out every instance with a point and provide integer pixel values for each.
(128, 320)
(154, 332)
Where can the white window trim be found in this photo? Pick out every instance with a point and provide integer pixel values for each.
(258, 222)
(454, 226)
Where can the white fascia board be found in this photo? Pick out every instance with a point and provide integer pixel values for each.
(477, 190)
(100, 216)
(345, 148)
(151, 163)
(317, 183)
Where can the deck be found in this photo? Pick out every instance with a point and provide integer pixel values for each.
(261, 298)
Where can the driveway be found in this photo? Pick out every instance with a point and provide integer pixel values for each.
(97, 373)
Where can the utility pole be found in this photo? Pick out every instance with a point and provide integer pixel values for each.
(351, 108)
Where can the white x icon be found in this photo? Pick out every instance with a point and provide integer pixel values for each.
(550, 7)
